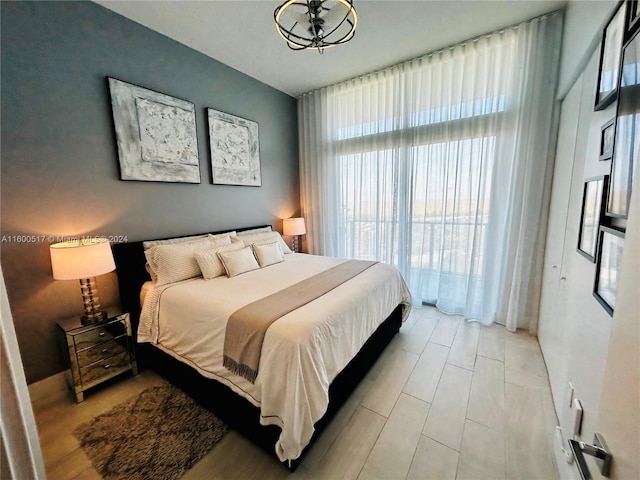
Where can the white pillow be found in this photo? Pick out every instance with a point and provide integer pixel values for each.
(205, 241)
(263, 239)
(268, 254)
(240, 261)
(221, 235)
(150, 271)
(210, 263)
(177, 261)
(254, 230)
(152, 243)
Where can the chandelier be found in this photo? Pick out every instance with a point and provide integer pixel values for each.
(319, 24)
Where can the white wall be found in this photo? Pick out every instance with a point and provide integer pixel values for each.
(584, 21)
(619, 416)
(575, 332)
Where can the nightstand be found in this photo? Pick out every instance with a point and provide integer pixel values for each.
(95, 353)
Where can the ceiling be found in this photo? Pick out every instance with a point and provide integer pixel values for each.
(241, 34)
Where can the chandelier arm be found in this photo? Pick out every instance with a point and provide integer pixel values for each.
(310, 15)
(341, 40)
(290, 33)
(350, 10)
(298, 41)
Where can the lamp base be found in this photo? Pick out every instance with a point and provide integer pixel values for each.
(91, 302)
(90, 320)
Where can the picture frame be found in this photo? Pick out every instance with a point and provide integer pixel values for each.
(626, 148)
(235, 149)
(609, 64)
(593, 200)
(155, 134)
(607, 139)
(633, 17)
(610, 247)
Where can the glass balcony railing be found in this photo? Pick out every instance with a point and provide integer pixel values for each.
(451, 247)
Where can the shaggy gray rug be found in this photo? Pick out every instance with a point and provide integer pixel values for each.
(160, 434)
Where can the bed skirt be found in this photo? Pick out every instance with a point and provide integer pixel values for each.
(244, 417)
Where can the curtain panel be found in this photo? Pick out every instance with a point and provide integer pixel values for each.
(441, 166)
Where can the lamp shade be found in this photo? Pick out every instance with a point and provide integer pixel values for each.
(293, 226)
(81, 259)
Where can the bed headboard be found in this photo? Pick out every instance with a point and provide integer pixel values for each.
(130, 269)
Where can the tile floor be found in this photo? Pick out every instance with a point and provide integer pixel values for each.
(447, 400)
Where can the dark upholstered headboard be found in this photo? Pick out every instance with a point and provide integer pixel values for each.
(130, 268)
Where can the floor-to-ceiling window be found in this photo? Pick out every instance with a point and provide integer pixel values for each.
(439, 166)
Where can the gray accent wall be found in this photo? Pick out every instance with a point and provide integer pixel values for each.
(59, 163)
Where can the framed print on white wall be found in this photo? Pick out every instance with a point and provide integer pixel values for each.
(609, 66)
(611, 244)
(593, 200)
(607, 137)
(626, 148)
(633, 17)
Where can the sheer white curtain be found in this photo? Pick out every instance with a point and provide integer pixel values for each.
(441, 166)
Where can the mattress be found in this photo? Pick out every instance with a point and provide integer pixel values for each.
(302, 352)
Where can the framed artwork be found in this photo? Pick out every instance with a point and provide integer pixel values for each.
(633, 17)
(235, 149)
(155, 133)
(592, 209)
(627, 135)
(611, 244)
(607, 137)
(609, 65)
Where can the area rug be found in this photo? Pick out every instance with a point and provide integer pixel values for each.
(158, 435)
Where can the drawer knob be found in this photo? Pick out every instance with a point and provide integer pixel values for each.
(101, 334)
(105, 350)
(107, 366)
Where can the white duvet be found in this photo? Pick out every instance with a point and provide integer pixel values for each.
(302, 352)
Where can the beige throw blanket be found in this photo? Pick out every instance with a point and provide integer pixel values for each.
(247, 326)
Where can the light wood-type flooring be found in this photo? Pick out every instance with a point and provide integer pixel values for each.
(448, 399)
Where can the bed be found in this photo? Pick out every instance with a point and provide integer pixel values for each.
(312, 358)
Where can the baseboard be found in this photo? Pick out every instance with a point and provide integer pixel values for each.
(48, 387)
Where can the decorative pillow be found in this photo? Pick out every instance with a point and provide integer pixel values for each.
(240, 261)
(254, 230)
(221, 235)
(152, 243)
(263, 239)
(210, 263)
(268, 254)
(175, 262)
(150, 271)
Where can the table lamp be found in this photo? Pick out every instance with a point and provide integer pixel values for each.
(83, 260)
(294, 227)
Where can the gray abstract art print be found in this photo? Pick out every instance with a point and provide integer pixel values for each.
(156, 135)
(235, 150)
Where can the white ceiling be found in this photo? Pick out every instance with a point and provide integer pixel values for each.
(241, 34)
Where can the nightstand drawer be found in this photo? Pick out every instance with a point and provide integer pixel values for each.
(105, 367)
(100, 334)
(102, 351)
